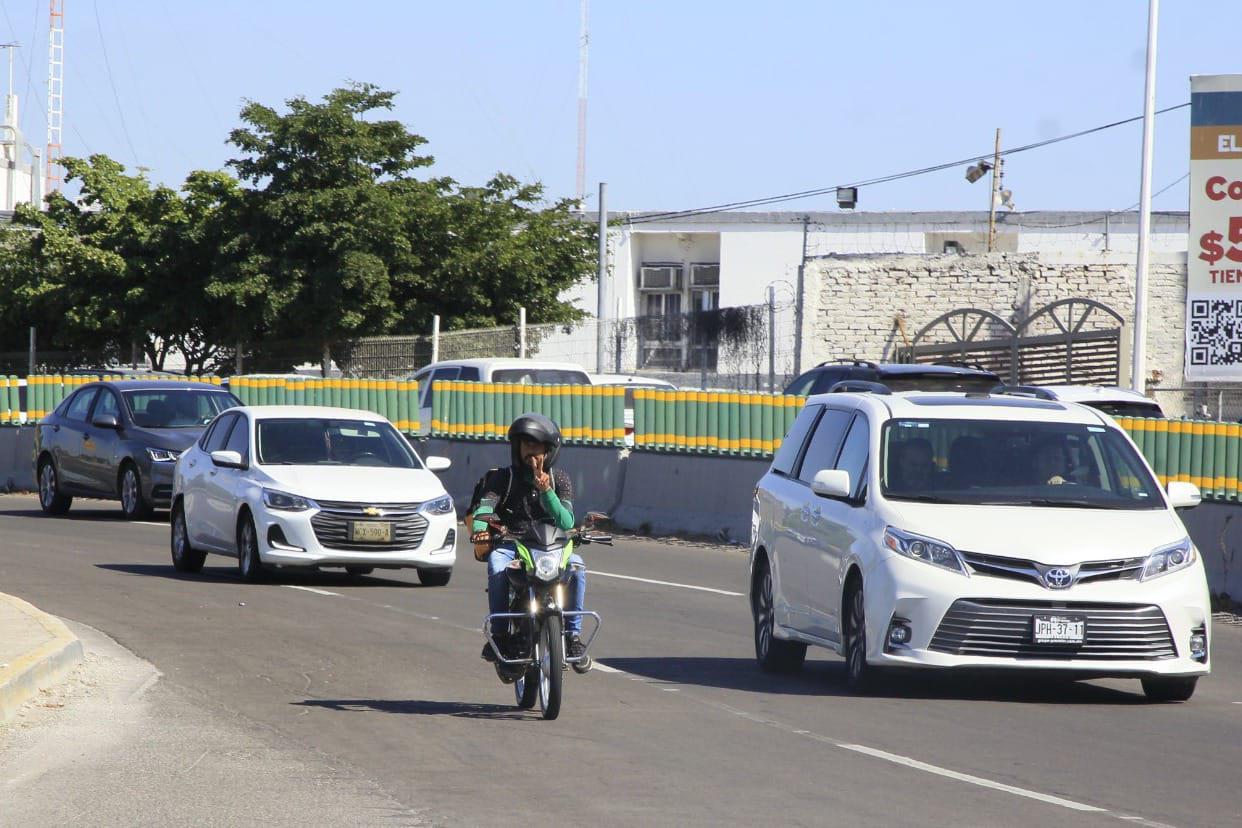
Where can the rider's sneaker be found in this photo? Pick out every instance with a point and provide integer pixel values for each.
(576, 649)
(488, 653)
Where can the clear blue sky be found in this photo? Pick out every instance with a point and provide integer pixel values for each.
(691, 102)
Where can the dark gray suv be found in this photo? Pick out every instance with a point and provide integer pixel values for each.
(120, 441)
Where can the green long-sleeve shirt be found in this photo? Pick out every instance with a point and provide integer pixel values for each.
(556, 501)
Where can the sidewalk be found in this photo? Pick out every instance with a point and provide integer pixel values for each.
(36, 651)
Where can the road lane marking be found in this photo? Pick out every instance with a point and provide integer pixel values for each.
(150, 523)
(604, 668)
(973, 780)
(663, 583)
(310, 589)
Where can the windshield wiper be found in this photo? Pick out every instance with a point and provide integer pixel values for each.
(922, 498)
(1078, 504)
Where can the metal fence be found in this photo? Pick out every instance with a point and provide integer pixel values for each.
(750, 347)
(1204, 402)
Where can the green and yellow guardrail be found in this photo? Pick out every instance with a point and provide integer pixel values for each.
(1202, 452)
(587, 414)
(717, 422)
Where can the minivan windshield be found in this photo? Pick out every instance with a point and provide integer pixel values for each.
(176, 407)
(1000, 462)
(332, 442)
(540, 376)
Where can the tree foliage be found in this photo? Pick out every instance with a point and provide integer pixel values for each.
(321, 230)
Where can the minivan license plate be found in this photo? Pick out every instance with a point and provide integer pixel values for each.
(370, 531)
(1060, 629)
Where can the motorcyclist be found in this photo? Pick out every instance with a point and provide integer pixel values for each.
(528, 490)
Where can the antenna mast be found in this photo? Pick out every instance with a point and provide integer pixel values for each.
(55, 90)
(583, 39)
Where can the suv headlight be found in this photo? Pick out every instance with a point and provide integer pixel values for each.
(1168, 559)
(921, 548)
(159, 455)
(439, 506)
(285, 502)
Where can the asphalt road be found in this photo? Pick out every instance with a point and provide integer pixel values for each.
(677, 726)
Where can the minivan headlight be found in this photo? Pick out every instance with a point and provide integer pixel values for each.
(439, 506)
(925, 549)
(1168, 559)
(285, 502)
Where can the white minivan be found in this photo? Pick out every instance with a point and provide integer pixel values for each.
(524, 371)
(930, 530)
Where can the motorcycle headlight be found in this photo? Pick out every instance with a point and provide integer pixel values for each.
(285, 502)
(927, 550)
(159, 455)
(439, 506)
(547, 566)
(1168, 559)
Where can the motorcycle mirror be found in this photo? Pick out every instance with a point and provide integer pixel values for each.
(593, 518)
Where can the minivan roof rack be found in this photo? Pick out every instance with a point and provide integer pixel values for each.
(859, 386)
(1024, 391)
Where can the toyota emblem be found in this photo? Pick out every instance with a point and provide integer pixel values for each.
(1058, 577)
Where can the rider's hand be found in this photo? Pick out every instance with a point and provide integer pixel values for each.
(543, 480)
(481, 537)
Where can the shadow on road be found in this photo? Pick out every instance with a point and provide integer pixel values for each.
(827, 678)
(228, 573)
(462, 710)
(99, 513)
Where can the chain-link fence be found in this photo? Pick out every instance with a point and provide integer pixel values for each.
(1205, 402)
(741, 348)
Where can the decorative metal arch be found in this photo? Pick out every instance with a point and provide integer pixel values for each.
(971, 339)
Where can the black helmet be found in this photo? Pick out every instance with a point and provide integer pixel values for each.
(536, 427)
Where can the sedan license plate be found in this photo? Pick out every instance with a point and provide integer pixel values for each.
(1060, 629)
(370, 531)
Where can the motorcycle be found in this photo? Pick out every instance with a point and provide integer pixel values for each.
(534, 659)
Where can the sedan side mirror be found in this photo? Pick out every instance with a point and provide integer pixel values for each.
(106, 421)
(227, 459)
(833, 483)
(438, 464)
(1184, 495)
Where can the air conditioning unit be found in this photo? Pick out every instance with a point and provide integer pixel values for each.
(659, 277)
(705, 275)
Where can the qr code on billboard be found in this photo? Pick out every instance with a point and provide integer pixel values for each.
(1216, 332)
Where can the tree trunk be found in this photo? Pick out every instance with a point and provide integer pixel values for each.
(326, 365)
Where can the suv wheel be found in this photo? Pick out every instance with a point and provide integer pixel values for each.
(133, 503)
(773, 655)
(51, 501)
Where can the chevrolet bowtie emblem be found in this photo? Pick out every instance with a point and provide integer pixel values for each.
(371, 511)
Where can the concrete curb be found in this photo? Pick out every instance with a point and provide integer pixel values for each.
(42, 667)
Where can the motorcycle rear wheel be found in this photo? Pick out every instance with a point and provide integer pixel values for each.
(526, 688)
(550, 661)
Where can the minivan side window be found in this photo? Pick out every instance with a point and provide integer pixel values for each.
(854, 453)
(438, 374)
(468, 374)
(802, 385)
(821, 452)
(787, 454)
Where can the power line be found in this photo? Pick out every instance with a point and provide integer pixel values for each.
(776, 199)
(1103, 216)
(117, 98)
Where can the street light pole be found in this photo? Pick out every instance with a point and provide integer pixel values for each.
(996, 176)
(1138, 367)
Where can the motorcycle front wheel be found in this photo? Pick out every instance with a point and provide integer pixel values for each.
(550, 660)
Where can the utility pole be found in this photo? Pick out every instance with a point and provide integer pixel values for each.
(798, 301)
(583, 41)
(996, 181)
(435, 338)
(601, 294)
(1138, 367)
(771, 339)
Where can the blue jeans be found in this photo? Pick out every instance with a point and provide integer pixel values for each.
(498, 586)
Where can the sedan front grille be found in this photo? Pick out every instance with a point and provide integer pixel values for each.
(331, 525)
(1002, 628)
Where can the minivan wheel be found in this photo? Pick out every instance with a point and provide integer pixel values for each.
(859, 675)
(1169, 689)
(133, 504)
(249, 565)
(51, 501)
(773, 654)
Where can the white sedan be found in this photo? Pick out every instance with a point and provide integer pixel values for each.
(310, 487)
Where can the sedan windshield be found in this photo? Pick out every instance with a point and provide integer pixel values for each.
(540, 376)
(998, 462)
(324, 442)
(176, 407)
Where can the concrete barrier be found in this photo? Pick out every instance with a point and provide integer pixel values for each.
(17, 459)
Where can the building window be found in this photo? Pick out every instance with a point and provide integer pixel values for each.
(671, 336)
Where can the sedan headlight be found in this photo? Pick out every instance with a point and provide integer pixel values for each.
(439, 506)
(927, 550)
(1168, 559)
(159, 455)
(547, 565)
(285, 502)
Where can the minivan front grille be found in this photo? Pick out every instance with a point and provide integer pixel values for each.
(1003, 629)
(331, 525)
(1020, 569)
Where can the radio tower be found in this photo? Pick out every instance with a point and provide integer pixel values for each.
(55, 91)
(583, 41)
